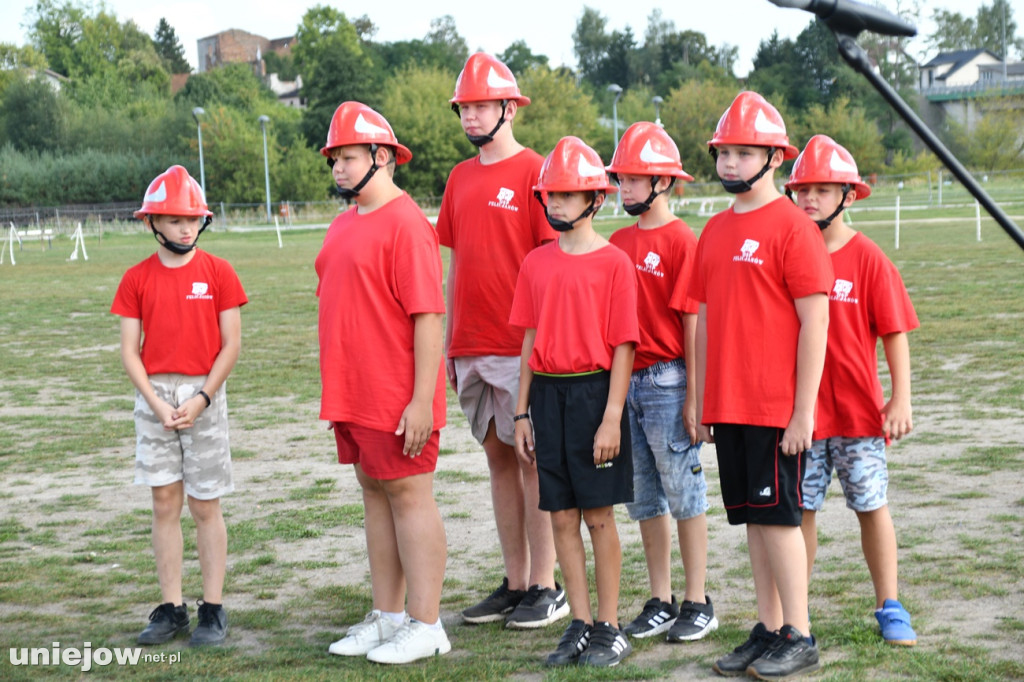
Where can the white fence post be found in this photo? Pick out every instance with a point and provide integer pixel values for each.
(897, 222)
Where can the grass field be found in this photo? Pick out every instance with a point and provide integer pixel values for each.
(76, 564)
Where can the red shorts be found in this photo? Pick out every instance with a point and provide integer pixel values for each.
(379, 453)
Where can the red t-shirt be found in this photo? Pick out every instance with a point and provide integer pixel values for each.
(582, 307)
(180, 310)
(376, 271)
(491, 220)
(750, 267)
(663, 258)
(868, 300)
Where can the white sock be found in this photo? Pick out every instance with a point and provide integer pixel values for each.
(396, 618)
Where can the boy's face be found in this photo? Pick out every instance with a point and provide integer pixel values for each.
(183, 229)
(479, 118)
(351, 164)
(636, 188)
(570, 205)
(818, 200)
(740, 162)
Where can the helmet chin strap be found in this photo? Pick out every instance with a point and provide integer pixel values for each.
(825, 222)
(481, 140)
(350, 194)
(740, 186)
(566, 225)
(175, 247)
(642, 207)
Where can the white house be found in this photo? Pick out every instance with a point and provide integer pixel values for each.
(956, 69)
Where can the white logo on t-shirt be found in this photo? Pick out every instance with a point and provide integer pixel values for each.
(747, 251)
(504, 200)
(650, 265)
(199, 291)
(841, 291)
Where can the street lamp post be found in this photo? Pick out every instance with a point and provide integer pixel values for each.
(196, 113)
(657, 109)
(266, 164)
(617, 89)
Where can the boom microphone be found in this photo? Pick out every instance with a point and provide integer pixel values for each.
(850, 17)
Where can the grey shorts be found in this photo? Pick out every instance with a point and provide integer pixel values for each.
(200, 456)
(860, 465)
(488, 389)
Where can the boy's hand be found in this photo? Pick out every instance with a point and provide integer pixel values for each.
(606, 441)
(690, 417)
(417, 423)
(524, 441)
(704, 434)
(797, 436)
(185, 415)
(896, 419)
(166, 413)
(453, 381)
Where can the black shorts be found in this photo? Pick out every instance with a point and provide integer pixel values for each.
(760, 484)
(566, 413)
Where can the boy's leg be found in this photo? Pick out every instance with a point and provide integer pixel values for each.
(167, 539)
(878, 539)
(538, 532)
(693, 547)
(572, 559)
(422, 546)
(212, 544)
(656, 534)
(604, 537)
(387, 580)
(769, 607)
(784, 555)
(809, 529)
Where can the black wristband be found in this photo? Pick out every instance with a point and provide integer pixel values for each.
(205, 397)
(524, 415)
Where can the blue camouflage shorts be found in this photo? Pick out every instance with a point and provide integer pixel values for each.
(860, 465)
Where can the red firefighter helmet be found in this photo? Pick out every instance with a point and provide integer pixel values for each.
(174, 192)
(826, 161)
(484, 78)
(751, 121)
(572, 166)
(646, 149)
(356, 123)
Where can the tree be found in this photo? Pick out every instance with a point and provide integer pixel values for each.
(169, 47)
(34, 116)
(447, 48)
(848, 125)
(232, 85)
(690, 114)
(954, 31)
(996, 141)
(14, 59)
(590, 43)
(558, 107)
(518, 57)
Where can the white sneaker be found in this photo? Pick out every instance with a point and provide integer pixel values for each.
(363, 637)
(413, 641)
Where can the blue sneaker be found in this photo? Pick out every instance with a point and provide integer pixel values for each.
(895, 623)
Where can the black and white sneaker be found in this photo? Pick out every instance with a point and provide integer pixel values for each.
(656, 617)
(695, 621)
(608, 646)
(574, 642)
(790, 655)
(541, 606)
(495, 606)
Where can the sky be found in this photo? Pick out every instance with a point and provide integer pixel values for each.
(546, 26)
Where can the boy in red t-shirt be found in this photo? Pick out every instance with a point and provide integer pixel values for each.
(854, 423)
(667, 473)
(380, 330)
(490, 221)
(576, 299)
(181, 414)
(762, 277)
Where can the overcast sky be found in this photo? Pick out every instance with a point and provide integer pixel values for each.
(545, 25)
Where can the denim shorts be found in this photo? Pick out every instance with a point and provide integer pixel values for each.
(667, 473)
(860, 465)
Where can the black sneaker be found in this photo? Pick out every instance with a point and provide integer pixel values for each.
(736, 663)
(695, 621)
(790, 655)
(213, 625)
(608, 646)
(166, 622)
(574, 642)
(496, 606)
(541, 606)
(656, 617)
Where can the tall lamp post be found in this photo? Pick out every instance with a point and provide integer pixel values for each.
(617, 89)
(657, 109)
(266, 164)
(196, 113)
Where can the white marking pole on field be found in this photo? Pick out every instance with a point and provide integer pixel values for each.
(10, 242)
(79, 238)
(277, 226)
(977, 217)
(897, 222)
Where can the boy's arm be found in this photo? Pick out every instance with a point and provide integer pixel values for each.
(230, 322)
(417, 420)
(609, 433)
(700, 352)
(449, 321)
(131, 358)
(523, 427)
(812, 312)
(896, 414)
(690, 401)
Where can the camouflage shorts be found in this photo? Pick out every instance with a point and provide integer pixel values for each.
(860, 465)
(199, 456)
